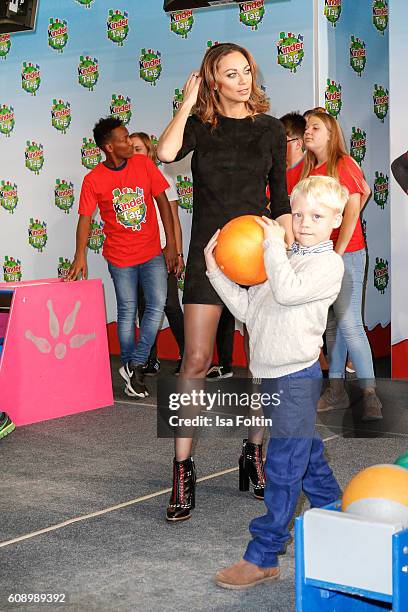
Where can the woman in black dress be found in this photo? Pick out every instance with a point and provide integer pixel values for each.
(237, 151)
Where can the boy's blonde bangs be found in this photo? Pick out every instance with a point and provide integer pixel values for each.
(325, 190)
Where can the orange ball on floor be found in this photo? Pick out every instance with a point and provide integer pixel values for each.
(239, 251)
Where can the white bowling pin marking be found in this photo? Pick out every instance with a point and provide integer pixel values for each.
(54, 323)
(60, 350)
(41, 343)
(80, 339)
(71, 318)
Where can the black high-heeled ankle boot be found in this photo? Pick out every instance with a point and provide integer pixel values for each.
(251, 468)
(182, 499)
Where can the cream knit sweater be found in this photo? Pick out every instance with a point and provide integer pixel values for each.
(286, 316)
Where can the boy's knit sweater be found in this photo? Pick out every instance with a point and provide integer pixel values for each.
(286, 316)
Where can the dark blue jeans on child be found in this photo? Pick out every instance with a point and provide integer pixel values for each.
(294, 462)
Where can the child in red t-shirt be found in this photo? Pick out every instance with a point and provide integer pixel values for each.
(345, 335)
(123, 187)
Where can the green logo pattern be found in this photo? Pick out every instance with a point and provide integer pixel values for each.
(118, 26)
(251, 13)
(57, 34)
(332, 96)
(8, 196)
(64, 195)
(381, 189)
(34, 156)
(185, 193)
(290, 51)
(12, 270)
(381, 274)
(30, 77)
(150, 66)
(181, 22)
(37, 234)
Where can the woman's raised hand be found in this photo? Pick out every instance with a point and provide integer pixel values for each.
(190, 89)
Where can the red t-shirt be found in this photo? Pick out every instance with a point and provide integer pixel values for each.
(350, 176)
(127, 209)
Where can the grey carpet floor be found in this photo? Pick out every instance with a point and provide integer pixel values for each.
(129, 558)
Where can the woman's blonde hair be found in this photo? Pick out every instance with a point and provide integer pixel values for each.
(324, 190)
(336, 149)
(208, 107)
(145, 138)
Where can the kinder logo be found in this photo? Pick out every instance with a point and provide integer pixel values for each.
(5, 45)
(251, 13)
(7, 120)
(381, 189)
(150, 66)
(358, 145)
(57, 34)
(90, 154)
(64, 195)
(8, 196)
(181, 22)
(117, 26)
(185, 193)
(61, 115)
(64, 265)
(381, 102)
(358, 57)
(177, 100)
(30, 77)
(381, 274)
(380, 15)
(96, 237)
(12, 270)
(130, 207)
(154, 140)
(181, 279)
(88, 72)
(121, 108)
(37, 234)
(34, 156)
(290, 51)
(333, 101)
(364, 228)
(332, 11)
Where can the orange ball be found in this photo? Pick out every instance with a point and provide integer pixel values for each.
(239, 252)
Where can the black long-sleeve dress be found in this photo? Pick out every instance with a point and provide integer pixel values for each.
(231, 167)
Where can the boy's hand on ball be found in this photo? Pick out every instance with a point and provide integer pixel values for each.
(209, 253)
(271, 228)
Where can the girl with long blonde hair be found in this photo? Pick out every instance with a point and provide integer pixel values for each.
(237, 150)
(326, 155)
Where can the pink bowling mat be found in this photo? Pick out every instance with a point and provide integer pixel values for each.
(55, 358)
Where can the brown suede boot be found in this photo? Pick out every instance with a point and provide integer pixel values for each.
(371, 407)
(335, 397)
(244, 575)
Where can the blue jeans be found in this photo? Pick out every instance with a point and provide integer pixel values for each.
(345, 331)
(152, 275)
(294, 462)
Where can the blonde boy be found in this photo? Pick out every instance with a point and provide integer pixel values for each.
(286, 317)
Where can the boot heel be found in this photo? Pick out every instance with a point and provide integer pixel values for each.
(243, 478)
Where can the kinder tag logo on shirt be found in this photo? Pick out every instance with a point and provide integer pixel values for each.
(130, 207)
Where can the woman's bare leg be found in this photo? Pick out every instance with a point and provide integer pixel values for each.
(255, 434)
(200, 330)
